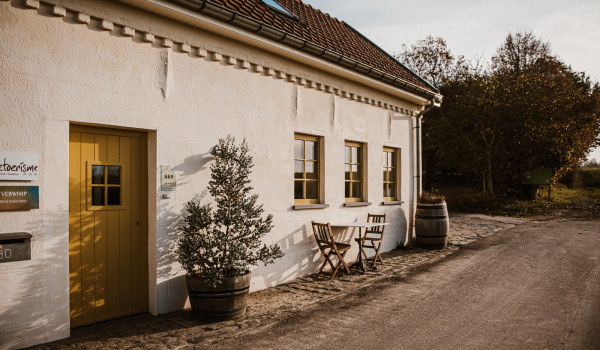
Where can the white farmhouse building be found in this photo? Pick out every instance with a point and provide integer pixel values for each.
(110, 94)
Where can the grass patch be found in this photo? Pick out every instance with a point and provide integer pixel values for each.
(470, 200)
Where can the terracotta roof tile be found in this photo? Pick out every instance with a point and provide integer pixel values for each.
(326, 31)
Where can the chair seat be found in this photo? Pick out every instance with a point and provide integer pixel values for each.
(368, 239)
(340, 246)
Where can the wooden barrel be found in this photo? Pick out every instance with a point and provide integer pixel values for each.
(432, 225)
(225, 301)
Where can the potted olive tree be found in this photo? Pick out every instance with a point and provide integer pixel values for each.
(218, 246)
(431, 221)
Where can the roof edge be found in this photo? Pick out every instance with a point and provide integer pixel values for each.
(223, 21)
(393, 58)
(228, 15)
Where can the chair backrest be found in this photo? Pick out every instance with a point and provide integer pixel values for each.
(374, 218)
(323, 233)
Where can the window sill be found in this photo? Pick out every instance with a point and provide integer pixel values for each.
(357, 204)
(310, 206)
(392, 203)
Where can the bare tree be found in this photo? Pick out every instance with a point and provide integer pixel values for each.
(520, 51)
(431, 59)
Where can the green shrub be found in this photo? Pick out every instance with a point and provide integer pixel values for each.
(225, 242)
(572, 179)
(590, 177)
(431, 197)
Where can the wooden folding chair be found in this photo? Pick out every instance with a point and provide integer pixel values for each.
(325, 241)
(376, 237)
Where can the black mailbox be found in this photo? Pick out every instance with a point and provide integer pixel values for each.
(15, 246)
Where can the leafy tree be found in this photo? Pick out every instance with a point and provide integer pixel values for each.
(470, 129)
(526, 111)
(432, 60)
(226, 242)
(552, 112)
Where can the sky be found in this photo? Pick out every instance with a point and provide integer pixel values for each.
(473, 28)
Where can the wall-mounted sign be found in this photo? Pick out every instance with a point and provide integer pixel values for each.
(168, 179)
(19, 197)
(18, 166)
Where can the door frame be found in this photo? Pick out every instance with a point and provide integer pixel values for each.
(143, 135)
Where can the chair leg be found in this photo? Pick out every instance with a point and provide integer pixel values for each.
(322, 267)
(377, 255)
(341, 258)
(344, 262)
(327, 260)
(362, 251)
(336, 270)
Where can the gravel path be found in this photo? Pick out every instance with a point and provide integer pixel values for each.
(535, 286)
(182, 331)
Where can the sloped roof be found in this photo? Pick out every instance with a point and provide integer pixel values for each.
(325, 31)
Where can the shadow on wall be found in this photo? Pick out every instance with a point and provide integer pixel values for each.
(304, 258)
(194, 164)
(172, 290)
(302, 255)
(33, 308)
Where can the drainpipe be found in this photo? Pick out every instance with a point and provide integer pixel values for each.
(429, 108)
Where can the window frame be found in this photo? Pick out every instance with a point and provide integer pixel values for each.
(317, 140)
(89, 186)
(361, 146)
(280, 9)
(395, 152)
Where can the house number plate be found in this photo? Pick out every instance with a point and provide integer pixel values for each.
(15, 246)
(5, 253)
(168, 179)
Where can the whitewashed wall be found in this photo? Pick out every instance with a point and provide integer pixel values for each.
(55, 70)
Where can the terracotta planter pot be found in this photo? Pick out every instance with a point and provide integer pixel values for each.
(432, 225)
(225, 301)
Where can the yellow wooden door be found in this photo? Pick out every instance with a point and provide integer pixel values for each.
(108, 270)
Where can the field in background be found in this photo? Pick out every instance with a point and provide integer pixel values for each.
(580, 202)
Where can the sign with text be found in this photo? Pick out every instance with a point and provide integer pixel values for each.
(540, 177)
(18, 166)
(168, 179)
(19, 197)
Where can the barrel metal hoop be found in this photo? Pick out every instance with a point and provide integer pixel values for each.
(419, 206)
(430, 217)
(218, 295)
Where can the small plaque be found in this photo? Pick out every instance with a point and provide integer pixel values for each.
(19, 197)
(18, 166)
(168, 179)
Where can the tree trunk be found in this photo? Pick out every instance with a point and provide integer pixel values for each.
(429, 173)
(484, 193)
(488, 173)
